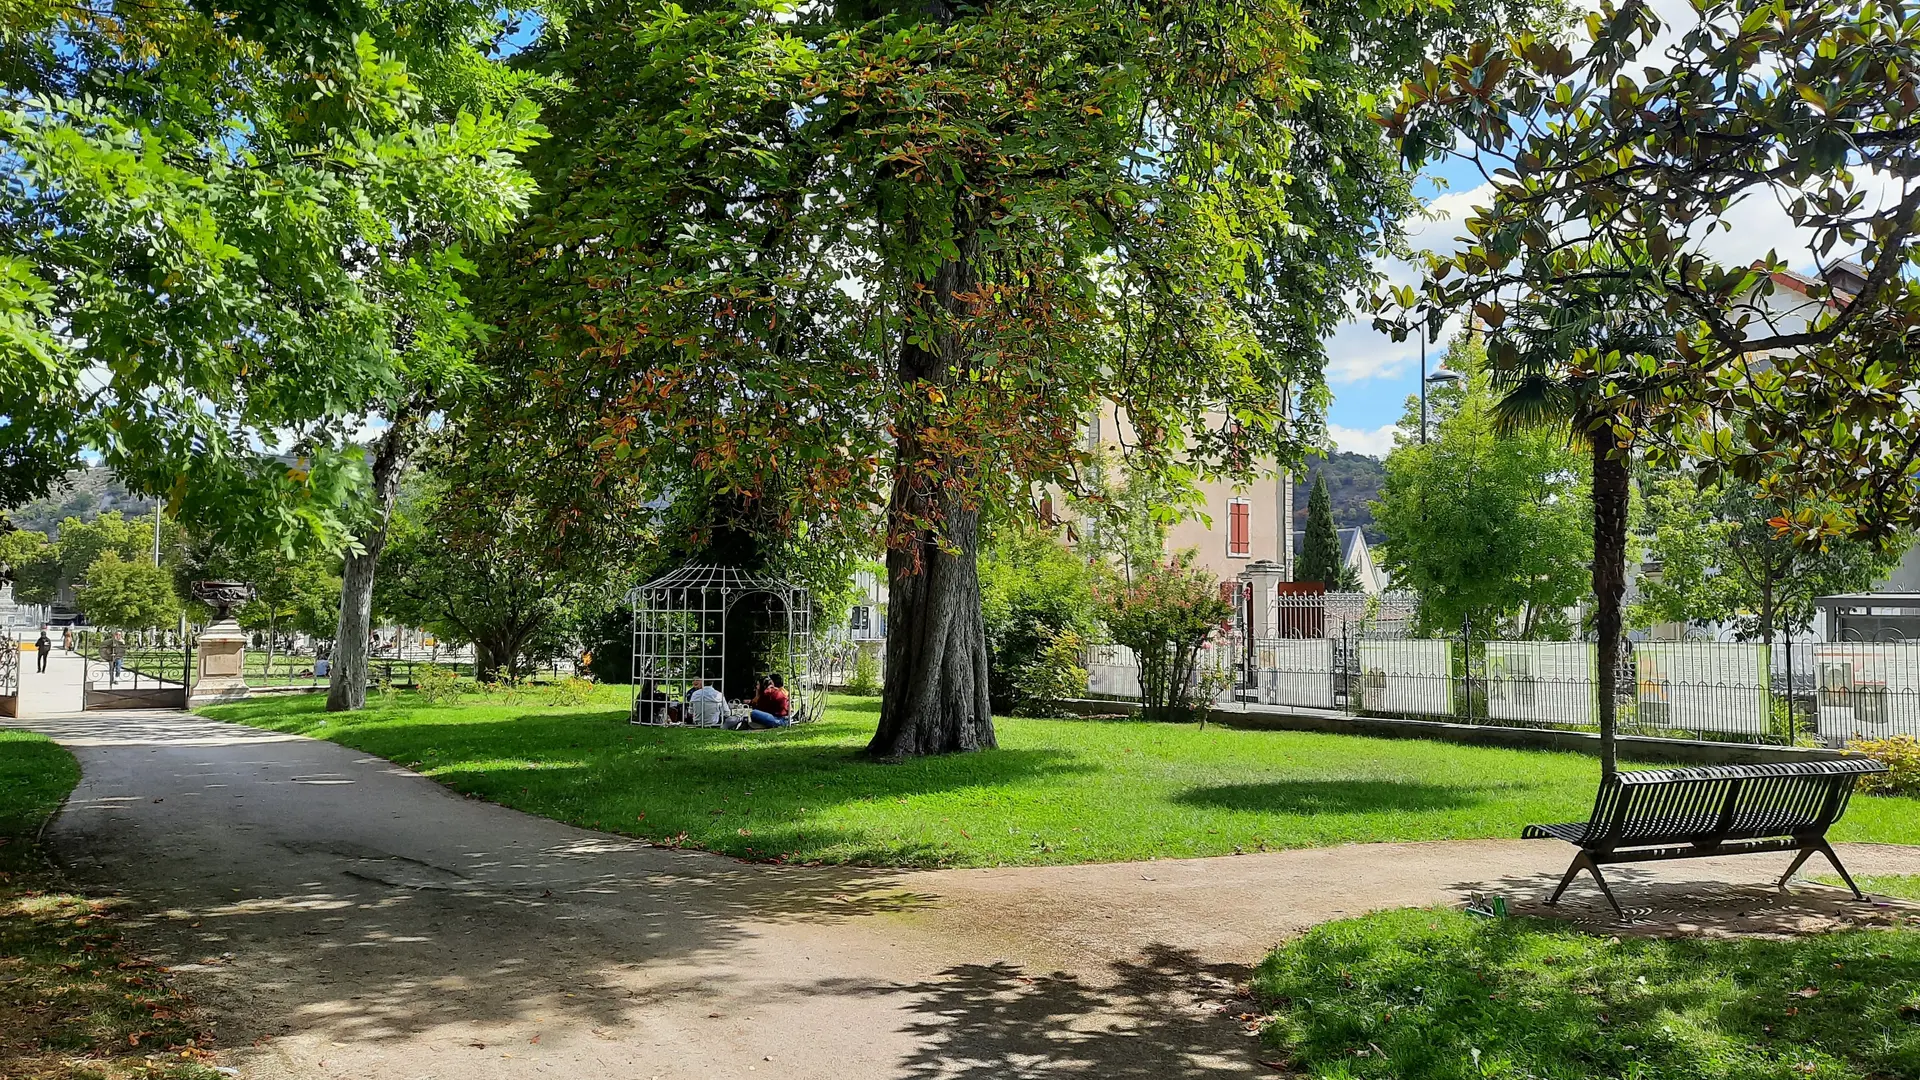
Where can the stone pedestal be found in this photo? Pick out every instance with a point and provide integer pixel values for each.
(1262, 579)
(222, 667)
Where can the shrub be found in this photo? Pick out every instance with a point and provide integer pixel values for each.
(435, 683)
(1054, 676)
(1165, 616)
(865, 680)
(1901, 753)
(1032, 590)
(572, 690)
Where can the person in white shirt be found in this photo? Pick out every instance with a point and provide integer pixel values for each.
(706, 706)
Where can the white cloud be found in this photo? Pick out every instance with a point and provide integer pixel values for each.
(1373, 443)
(1357, 352)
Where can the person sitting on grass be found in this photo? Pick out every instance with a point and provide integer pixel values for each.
(650, 705)
(771, 705)
(706, 705)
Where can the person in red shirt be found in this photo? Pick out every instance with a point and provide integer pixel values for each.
(771, 706)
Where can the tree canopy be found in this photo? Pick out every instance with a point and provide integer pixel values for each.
(866, 252)
(1489, 525)
(1721, 559)
(227, 236)
(1611, 164)
(1320, 549)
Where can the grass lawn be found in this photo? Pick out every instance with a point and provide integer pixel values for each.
(73, 1005)
(1439, 995)
(1058, 791)
(1901, 886)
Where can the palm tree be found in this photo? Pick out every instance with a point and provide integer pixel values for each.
(1586, 361)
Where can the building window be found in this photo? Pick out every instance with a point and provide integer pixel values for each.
(1239, 522)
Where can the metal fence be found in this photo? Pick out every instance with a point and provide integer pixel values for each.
(9, 666)
(1358, 654)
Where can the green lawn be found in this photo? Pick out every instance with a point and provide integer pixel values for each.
(1058, 791)
(35, 775)
(1440, 995)
(73, 1005)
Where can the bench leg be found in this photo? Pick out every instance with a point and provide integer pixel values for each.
(1821, 847)
(1583, 862)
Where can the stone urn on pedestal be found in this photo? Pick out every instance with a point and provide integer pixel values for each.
(223, 645)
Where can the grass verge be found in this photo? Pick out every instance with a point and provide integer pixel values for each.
(1439, 995)
(1898, 886)
(1058, 791)
(73, 1005)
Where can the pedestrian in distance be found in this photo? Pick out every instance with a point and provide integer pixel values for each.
(42, 647)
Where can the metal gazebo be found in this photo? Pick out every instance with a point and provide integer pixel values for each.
(687, 625)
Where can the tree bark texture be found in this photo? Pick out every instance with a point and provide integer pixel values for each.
(347, 676)
(935, 699)
(1610, 501)
(935, 696)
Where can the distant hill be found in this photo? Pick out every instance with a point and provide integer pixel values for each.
(85, 494)
(1353, 481)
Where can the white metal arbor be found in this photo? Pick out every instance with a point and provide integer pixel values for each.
(685, 628)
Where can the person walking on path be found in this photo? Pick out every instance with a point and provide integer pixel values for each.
(115, 655)
(66, 638)
(41, 648)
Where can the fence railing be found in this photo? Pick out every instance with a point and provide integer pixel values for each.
(1355, 654)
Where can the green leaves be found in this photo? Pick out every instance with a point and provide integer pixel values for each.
(249, 243)
(1611, 168)
(761, 241)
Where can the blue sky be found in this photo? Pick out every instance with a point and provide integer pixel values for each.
(1371, 374)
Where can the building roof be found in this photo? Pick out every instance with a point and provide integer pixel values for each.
(1349, 539)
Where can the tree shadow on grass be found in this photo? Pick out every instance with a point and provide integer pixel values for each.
(1333, 797)
(759, 795)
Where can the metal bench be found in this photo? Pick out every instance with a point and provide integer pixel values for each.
(1716, 810)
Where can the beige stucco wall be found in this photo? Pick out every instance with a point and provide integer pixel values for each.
(1209, 538)
(1270, 515)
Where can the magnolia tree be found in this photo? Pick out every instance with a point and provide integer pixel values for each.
(1611, 163)
(899, 252)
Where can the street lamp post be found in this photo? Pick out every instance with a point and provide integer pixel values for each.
(1439, 378)
(1423, 384)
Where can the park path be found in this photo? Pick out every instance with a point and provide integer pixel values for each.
(340, 916)
(55, 690)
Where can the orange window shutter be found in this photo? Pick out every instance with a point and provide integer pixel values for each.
(1237, 529)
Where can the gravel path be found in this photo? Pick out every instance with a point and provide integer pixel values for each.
(342, 917)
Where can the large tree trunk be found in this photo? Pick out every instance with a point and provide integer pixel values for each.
(347, 678)
(1610, 502)
(935, 699)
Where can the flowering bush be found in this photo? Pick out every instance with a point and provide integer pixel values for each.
(435, 683)
(1901, 754)
(1165, 616)
(572, 690)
